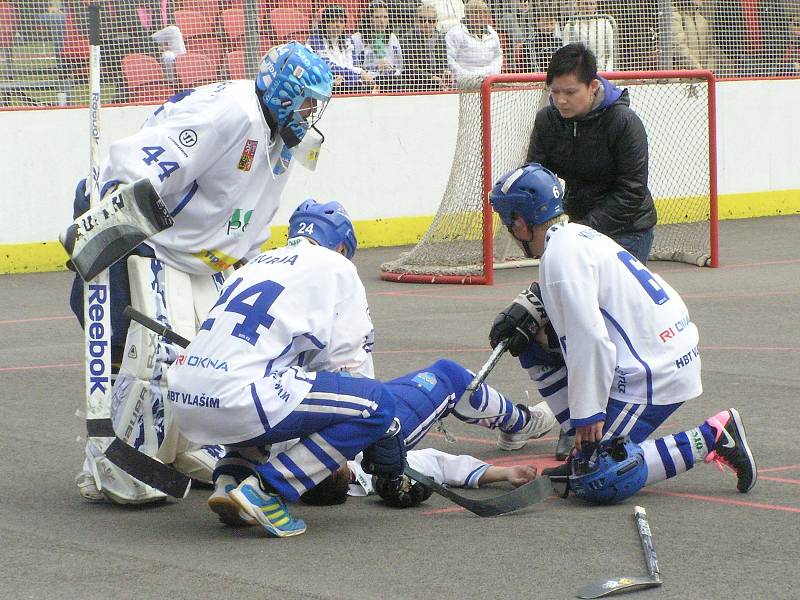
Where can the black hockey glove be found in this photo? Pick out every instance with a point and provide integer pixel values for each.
(401, 492)
(520, 321)
(387, 456)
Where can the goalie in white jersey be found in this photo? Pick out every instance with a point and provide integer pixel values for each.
(219, 157)
(621, 354)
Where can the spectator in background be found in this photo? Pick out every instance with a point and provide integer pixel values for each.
(516, 19)
(593, 30)
(637, 33)
(751, 36)
(425, 54)
(691, 35)
(473, 47)
(449, 12)
(542, 42)
(376, 48)
(791, 62)
(401, 15)
(330, 42)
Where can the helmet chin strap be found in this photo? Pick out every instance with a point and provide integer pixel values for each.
(526, 246)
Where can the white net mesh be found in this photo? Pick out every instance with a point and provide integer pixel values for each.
(675, 112)
(153, 48)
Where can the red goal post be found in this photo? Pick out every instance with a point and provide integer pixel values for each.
(466, 242)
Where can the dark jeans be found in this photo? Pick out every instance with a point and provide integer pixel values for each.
(637, 243)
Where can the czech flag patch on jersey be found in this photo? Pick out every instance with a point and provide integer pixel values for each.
(246, 161)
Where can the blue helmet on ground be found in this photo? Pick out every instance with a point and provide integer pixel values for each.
(327, 224)
(288, 75)
(612, 472)
(531, 192)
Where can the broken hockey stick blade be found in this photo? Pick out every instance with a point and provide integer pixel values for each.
(523, 496)
(463, 408)
(109, 231)
(155, 326)
(148, 470)
(601, 589)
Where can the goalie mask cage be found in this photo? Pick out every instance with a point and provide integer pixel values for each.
(465, 241)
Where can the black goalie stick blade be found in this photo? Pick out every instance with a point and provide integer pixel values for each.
(148, 470)
(525, 495)
(601, 589)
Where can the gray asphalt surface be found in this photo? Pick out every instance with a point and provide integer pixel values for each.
(712, 542)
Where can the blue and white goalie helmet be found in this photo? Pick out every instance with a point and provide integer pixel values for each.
(531, 192)
(614, 471)
(288, 76)
(327, 224)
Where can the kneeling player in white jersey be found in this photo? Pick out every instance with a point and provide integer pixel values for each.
(623, 350)
(219, 157)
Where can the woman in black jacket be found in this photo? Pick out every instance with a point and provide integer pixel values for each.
(590, 138)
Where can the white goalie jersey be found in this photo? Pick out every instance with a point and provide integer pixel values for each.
(279, 319)
(625, 333)
(209, 155)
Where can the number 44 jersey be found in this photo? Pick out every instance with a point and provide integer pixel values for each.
(625, 333)
(279, 319)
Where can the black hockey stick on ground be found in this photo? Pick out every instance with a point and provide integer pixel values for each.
(463, 408)
(629, 584)
(525, 495)
(137, 464)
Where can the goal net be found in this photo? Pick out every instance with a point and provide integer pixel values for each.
(465, 241)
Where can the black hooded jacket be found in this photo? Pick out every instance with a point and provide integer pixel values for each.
(603, 160)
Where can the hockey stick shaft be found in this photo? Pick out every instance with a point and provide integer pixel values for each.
(463, 408)
(643, 526)
(97, 296)
(155, 326)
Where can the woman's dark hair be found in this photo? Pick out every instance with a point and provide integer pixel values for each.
(573, 58)
(329, 14)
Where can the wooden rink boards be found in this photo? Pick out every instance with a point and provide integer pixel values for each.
(712, 542)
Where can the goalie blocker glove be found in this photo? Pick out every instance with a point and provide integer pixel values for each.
(401, 492)
(520, 321)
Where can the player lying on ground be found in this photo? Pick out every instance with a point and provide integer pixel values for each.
(622, 351)
(285, 353)
(452, 470)
(219, 157)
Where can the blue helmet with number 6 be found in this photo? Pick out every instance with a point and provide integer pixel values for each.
(288, 76)
(327, 224)
(531, 192)
(614, 471)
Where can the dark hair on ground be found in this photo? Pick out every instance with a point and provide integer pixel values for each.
(331, 490)
(573, 58)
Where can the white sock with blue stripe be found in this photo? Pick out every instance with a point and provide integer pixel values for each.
(674, 454)
(489, 400)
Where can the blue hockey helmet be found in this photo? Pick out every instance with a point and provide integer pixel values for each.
(288, 76)
(327, 224)
(531, 192)
(612, 472)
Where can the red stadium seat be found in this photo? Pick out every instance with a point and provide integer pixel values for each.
(194, 24)
(8, 23)
(144, 79)
(234, 65)
(289, 24)
(193, 70)
(210, 46)
(233, 27)
(75, 51)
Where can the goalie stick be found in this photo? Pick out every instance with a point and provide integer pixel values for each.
(525, 495)
(463, 408)
(629, 584)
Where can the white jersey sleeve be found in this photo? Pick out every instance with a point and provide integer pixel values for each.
(625, 333)
(207, 152)
(285, 315)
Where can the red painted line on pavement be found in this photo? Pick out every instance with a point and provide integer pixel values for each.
(779, 479)
(32, 367)
(36, 319)
(776, 469)
(718, 500)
